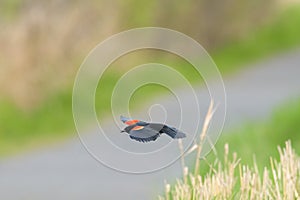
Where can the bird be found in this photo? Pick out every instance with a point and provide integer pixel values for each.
(145, 132)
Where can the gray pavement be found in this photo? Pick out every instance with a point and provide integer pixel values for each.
(67, 171)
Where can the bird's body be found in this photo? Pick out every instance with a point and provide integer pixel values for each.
(146, 132)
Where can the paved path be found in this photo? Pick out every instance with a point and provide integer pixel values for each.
(67, 171)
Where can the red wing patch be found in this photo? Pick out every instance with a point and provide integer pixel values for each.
(137, 128)
(131, 122)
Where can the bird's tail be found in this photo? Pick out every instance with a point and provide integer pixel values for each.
(180, 134)
(173, 132)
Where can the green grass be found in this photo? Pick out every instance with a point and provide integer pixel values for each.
(9, 8)
(229, 179)
(21, 130)
(52, 120)
(278, 36)
(260, 139)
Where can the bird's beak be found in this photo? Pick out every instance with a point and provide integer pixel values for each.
(122, 131)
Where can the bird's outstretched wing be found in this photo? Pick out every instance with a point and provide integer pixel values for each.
(171, 131)
(143, 134)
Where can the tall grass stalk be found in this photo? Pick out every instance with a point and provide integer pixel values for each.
(203, 135)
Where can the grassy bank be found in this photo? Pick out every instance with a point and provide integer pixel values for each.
(262, 139)
(254, 144)
(52, 120)
(232, 180)
(278, 36)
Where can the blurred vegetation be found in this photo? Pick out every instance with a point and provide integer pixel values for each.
(49, 39)
(44, 42)
(254, 144)
(229, 179)
(260, 139)
(278, 36)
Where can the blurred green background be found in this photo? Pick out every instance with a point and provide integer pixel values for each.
(44, 42)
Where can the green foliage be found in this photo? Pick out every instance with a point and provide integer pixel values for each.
(252, 165)
(281, 34)
(53, 119)
(22, 130)
(262, 139)
(9, 8)
(232, 180)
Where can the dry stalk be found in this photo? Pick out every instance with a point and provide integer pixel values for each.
(202, 135)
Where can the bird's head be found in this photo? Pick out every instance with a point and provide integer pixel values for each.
(127, 129)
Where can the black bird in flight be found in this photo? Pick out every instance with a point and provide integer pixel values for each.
(146, 132)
